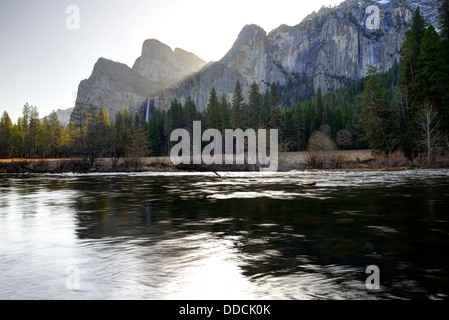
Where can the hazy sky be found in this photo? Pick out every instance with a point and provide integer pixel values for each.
(42, 61)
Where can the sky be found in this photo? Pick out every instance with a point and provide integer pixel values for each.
(44, 53)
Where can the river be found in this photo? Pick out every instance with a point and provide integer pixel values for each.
(239, 236)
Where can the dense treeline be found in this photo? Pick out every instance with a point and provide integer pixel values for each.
(413, 117)
(406, 109)
(96, 137)
(335, 114)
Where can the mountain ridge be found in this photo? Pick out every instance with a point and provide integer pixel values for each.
(115, 85)
(331, 46)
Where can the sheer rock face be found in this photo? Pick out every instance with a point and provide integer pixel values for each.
(63, 116)
(160, 64)
(331, 47)
(112, 85)
(115, 85)
(246, 62)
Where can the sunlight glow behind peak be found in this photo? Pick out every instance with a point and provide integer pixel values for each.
(43, 62)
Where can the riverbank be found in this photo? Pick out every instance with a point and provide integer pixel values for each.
(353, 160)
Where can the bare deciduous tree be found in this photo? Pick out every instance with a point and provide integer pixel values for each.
(344, 139)
(321, 142)
(429, 130)
(326, 129)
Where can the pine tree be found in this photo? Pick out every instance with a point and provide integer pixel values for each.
(410, 52)
(73, 140)
(119, 138)
(137, 148)
(266, 110)
(6, 136)
(155, 134)
(432, 72)
(237, 110)
(288, 134)
(444, 19)
(97, 133)
(54, 134)
(375, 116)
(17, 147)
(25, 120)
(34, 130)
(168, 129)
(274, 96)
(103, 123)
(319, 109)
(212, 110)
(275, 120)
(338, 120)
(298, 127)
(90, 143)
(309, 120)
(224, 114)
(176, 112)
(409, 95)
(31, 126)
(190, 114)
(328, 117)
(254, 107)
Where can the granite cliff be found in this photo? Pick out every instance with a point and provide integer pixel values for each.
(160, 64)
(63, 116)
(115, 85)
(330, 47)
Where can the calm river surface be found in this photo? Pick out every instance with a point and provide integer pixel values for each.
(242, 236)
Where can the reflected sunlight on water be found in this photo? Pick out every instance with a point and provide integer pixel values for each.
(242, 236)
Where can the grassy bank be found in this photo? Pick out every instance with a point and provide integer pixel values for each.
(80, 166)
(354, 160)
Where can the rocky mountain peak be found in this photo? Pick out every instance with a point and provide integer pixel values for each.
(114, 85)
(248, 55)
(249, 36)
(160, 63)
(156, 49)
(105, 68)
(190, 61)
(328, 48)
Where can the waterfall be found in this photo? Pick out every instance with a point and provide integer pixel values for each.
(148, 111)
